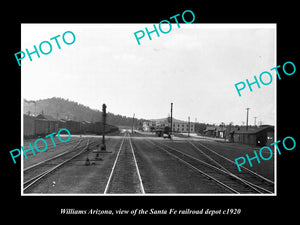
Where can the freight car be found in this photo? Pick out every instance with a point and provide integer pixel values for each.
(98, 128)
(73, 126)
(29, 126)
(43, 125)
(38, 127)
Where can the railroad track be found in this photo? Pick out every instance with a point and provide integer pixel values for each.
(50, 146)
(125, 177)
(54, 157)
(37, 172)
(257, 181)
(209, 167)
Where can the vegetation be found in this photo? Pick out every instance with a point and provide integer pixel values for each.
(60, 108)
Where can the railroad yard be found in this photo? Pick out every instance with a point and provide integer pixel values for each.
(142, 163)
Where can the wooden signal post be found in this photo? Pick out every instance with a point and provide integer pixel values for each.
(103, 146)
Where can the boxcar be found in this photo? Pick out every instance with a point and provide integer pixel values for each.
(41, 127)
(73, 126)
(28, 126)
(98, 128)
(35, 127)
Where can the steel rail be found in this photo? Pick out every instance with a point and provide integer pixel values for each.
(114, 165)
(32, 181)
(258, 175)
(224, 170)
(54, 157)
(137, 168)
(250, 184)
(197, 169)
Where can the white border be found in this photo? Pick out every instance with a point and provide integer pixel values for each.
(206, 26)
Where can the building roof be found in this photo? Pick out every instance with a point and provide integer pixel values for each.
(255, 131)
(26, 115)
(210, 129)
(46, 117)
(215, 128)
(166, 120)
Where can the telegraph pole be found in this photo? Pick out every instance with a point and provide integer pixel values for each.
(132, 123)
(189, 124)
(247, 118)
(255, 120)
(103, 147)
(171, 118)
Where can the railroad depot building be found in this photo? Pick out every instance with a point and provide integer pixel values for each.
(178, 125)
(215, 131)
(262, 136)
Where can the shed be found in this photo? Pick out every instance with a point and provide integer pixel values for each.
(210, 131)
(260, 137)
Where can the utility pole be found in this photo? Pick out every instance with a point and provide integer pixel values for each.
(103, 147)
(247, 118)
(189, 124)
(171, 118)
(255, 120)
(132, 123)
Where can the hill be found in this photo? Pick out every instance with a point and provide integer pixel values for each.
(60, 108)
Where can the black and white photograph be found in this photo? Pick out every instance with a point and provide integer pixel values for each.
(150, 111)
(160, 117)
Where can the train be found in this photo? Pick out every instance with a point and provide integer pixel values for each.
(42, 125)
(164, 132)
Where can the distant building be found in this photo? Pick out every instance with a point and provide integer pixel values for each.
(210, 131)
(183, 127)
(178, 125)
(149, 126)
(215, 131)
(262, 136)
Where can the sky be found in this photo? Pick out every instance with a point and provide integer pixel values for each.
(195, 66)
